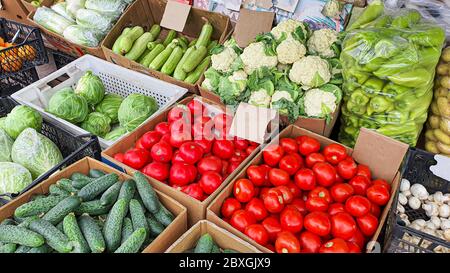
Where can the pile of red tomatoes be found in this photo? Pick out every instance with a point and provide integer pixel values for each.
(302, 199)
(190, 152)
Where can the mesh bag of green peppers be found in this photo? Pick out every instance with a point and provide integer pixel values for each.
(389, 60)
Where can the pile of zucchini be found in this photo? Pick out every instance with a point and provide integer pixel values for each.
(206, 244)
(174, 56)
(87, 214)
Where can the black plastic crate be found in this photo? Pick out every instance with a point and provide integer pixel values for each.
(62, 59)
(72, 148)
(19, 80)
(416, 170)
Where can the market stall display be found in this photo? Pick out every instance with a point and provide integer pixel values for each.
(388, 62)
(437, 133)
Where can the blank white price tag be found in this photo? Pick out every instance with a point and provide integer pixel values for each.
(442, 168)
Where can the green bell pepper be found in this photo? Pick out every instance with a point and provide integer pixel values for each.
(406, 102)
(413, 77)
(396, 117)
(409, 19)
(373, 86)
(351, 131)
(398, 130)
(392, 90)
(379, 104)
(429, 57)
(429, 37)
(359, 97)
(370, 13)
(368, 123)
(419, 112)
(356, 108)
(387, 48)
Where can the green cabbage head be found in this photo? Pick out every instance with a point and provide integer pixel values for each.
(13, 177)
(135, 109)
(110, 106)
(35, 152)
(69, 106)
(6, 143)
(91, 88)
(20, 118)
(97, 124)
(115, 134)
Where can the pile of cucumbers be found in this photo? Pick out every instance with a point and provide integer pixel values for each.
(206, 244)
(174, 56)
(87, 214)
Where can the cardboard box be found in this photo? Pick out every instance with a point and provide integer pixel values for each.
(30, 8)
(382, 154)
(223, 238)
(149, 12)
(160, 244)
(196, 209)
(58, 42)
(13, 10)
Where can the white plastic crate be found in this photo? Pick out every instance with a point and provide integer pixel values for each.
(117, 80)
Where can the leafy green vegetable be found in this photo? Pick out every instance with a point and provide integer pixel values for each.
(91, 88)
(20, 118)
(135, 109)
(67, 105)
(270, 43)
(97, 124)
(110, 106)
(115, 134)
(6, 143)
(13, 177)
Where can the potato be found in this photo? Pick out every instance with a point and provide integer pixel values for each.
(443, 148)
(446, 54)
(435, 109)
(445, 82)
(443, 106)
(430, 146)
(440, 92)
(442, 69)
(444, 125)
(441, 136)
(434, 121)
(429, 135)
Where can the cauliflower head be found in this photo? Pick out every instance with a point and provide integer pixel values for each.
(239, 75)
(207, 84)
(239, 81)
(319, 103)
(310, 71)
(321, 41)
(260, 98)
(287, 27)
(254, 57)
(278, 95)
(289, 51)
(224, 60)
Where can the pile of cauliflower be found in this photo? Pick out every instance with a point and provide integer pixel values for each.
(303, 59)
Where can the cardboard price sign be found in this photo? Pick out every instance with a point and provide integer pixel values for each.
(175, 15)
(250, 24)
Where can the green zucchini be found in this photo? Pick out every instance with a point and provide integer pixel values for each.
(109, 197)
(173, 60)
(212, 45)
(205, 244)
(66, 184)
(22, 249)
(171, 35)
(146, 51)
(93, 208)
(73, 232)
(126, 43)
(127, 229)
(58, 212)
(157, 49)
(95, 173)
(137, 214)
(97, 187)
(205, 36)
(155, 30)
(112, 231)
(155, 227)
(37, 207)
(161, 59)
(8, 248)
(147, 193)
(53, 237)
(115, 47)
(139, 46)
(92, 233)
(42, 249)
(193, 42)
(163, 215)
(133, 243)
(195, 75)
(57, 190)
(195, 58)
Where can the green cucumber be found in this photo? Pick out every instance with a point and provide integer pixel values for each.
(22, 249)
(173, 60)
(171, 35)
(42, 249)
(98, 186)
(92, 233)
(126, 43)
(157, 49)
(147, 193)
(127, 229)
(212, 45)
(229, 251)
(205, 244)
(163, 215)
(58, 212)
(54, 238)
(73, 232)
(95, 173)
(194, 59)
(215, 249)
(133, 243)
(8, 248)
(93, 208)
(8, 221)
(57, 190)
(137, 214)
(115, 47)
(139, 46)
(127, 191)
(26, 221)
(156, 227)
(112, 231)
(79, 176)
(109, 197)
(66, 184)
(195, 75)
(205, 36)
(37, 196)
(79, 184)
(60, 226)
(37, 207)
(161, 59)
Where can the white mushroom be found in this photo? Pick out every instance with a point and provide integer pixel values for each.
(430, 231)
(400, 208)
(431, 209)
(420, 222)
(430, 225)
(407, 193)
(444, 211)
(404, 185)
(402, 199)
(446, 198)
(445, 224)
(447, 234)
(438, 197)
(419, 191)
(436, 221)
(414, 202)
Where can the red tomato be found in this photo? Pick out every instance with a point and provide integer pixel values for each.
(334, 153)
(225, 165)
(316, 204)
(191, 152)
(383, 183)
(240, 143)
(201, 131)
(296, 192)
(136, 158)
(314, 158)
(273, 227)
(178, 138)
(178, 112)
(257, 233)
(320, 192)
(258, 175)
(250, 149)
(119, 157)
(232, 167)
(229, 206)
(358, 239)
(368, 224)
(210, 181)
(238, 156)
(335, 208)
(339, 179)
(139, 145)
(157, 170)
(357, 205)
(343, 225)
(223, 149)
(270, 247)
(243, 190)
(289, 145)
(278, 177)
(162, 152)
(149, 139)
(291, 220)
(353, 248)
(272, 154)
(163, 128)
(360, 184)
(299, 204)
(325, 174)
(195, 191)
(290, 164)
(256, 207)
(336, 245)
(196, 108)
(378, 194)
(375, 210)
(347, 168)
(287, 243)
(177, 158)
(308, 146)
(242, 219)
(318, 223)
(210, 163)
(309, 242)
(364, 171)
(300, 139)
(305, 179)
(341, 192)
(180, 174)
(222, 121)
(285, 192)
(205, 144)
(165, 138)
(273, 202)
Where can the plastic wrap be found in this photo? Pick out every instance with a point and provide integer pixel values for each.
(61, 9)
(92, 19)
(73, 6)
(388, 61)
(51, 20)
(111, 8)
(438, 126)
(83, 36)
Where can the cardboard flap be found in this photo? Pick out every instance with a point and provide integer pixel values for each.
(175, 15)
(250, 24)
(382, 154)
